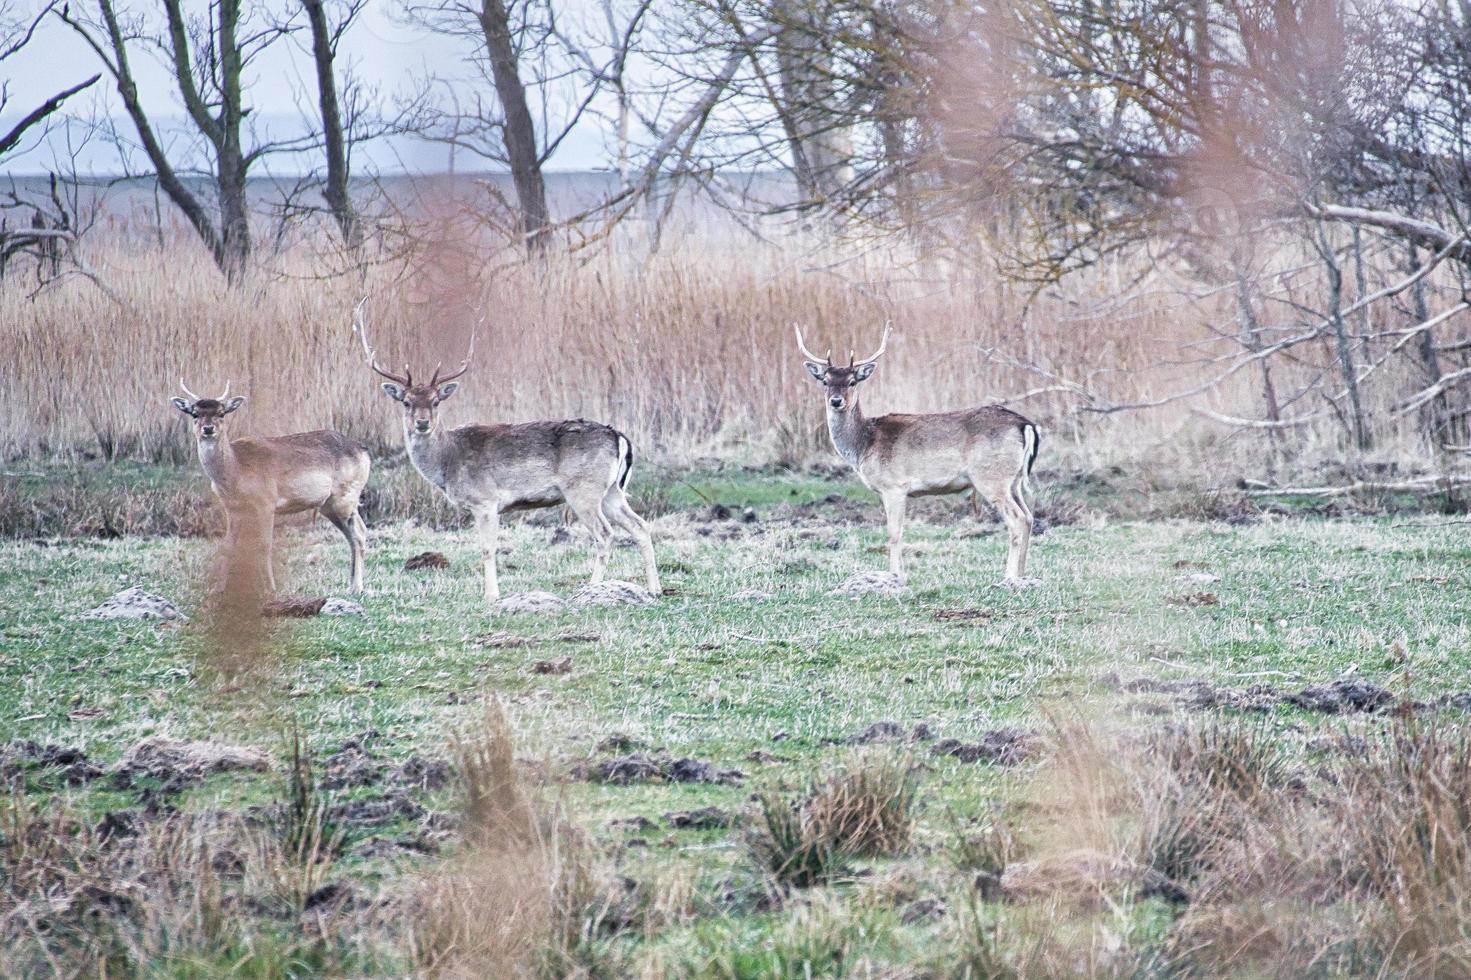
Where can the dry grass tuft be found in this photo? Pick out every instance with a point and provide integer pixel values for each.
(183, 893)
(866, 807)
(1361, 867)
(529, 896)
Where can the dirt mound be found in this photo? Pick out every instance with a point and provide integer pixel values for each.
(872, 583)
(301, 608)
(375, 810)
(341, 607)
(613, 592)
(426, 559)
(562, 665)
(1343, 696)
(1002, 746)
(533, 603)
(891, 731)
(70, 763)
(705, 818)
(640, 767)
(751, 595)
(178, 765)
(135, 603)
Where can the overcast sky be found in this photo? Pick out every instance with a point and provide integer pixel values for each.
(382, 49)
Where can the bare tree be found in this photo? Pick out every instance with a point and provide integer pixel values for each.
(208, 57)
(336, 138)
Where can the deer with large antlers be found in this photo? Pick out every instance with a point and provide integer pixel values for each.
(257, 479)
(990, 450)
(493, 469)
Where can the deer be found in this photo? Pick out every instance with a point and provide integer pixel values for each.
(258, 479)
(989, 450)
(498, 468)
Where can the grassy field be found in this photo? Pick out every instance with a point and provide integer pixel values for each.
(1141, 631)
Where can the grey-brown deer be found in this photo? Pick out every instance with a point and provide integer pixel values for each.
(257, 479)
(494, 469)
(989, 449)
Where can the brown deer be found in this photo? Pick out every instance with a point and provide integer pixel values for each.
(990, 450)
(256, 479)
(493, 469)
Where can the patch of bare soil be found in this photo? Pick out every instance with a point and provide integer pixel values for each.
(705, 818)
(891, 731)
(869, 582)
(432, 560)
(69, 763)
(960, 616)
(500, 640)
(562, 665)
(1343, 696)
(1194, 599)
(1002, 746)
(641, 767)
(303, 607)
(177, 765)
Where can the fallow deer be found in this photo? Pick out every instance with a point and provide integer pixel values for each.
(257, 479)
(492, 469)
(989, 449)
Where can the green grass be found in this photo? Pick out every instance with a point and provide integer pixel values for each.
(1300, 601)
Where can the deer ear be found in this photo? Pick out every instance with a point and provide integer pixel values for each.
(395, 392)
(815, 369)
(447, 389)
(234, 404)
(864, 370)
(182, 406)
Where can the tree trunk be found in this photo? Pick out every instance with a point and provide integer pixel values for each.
(820, 140)
(1359, 429)
(334, 143)
(519, 131)
(231, 165)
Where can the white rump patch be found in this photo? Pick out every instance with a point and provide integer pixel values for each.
(341, 607)
(613, 593)
(135, 603)
(872, 583)
(536, 603)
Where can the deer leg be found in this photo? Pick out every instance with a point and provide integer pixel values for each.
(268, 542)
(590, 513)
(1009, 502)
(620, 512)
(487, 525)
(894, 503)
(347, 522)
(360, 532)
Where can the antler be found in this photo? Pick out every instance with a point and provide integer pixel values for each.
(358, 328)
(192, 396)
(883, 344)
(464, 365)
(807, 353)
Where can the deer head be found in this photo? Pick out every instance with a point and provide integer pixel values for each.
(838, 381)
(420, 401)
(208, 413)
